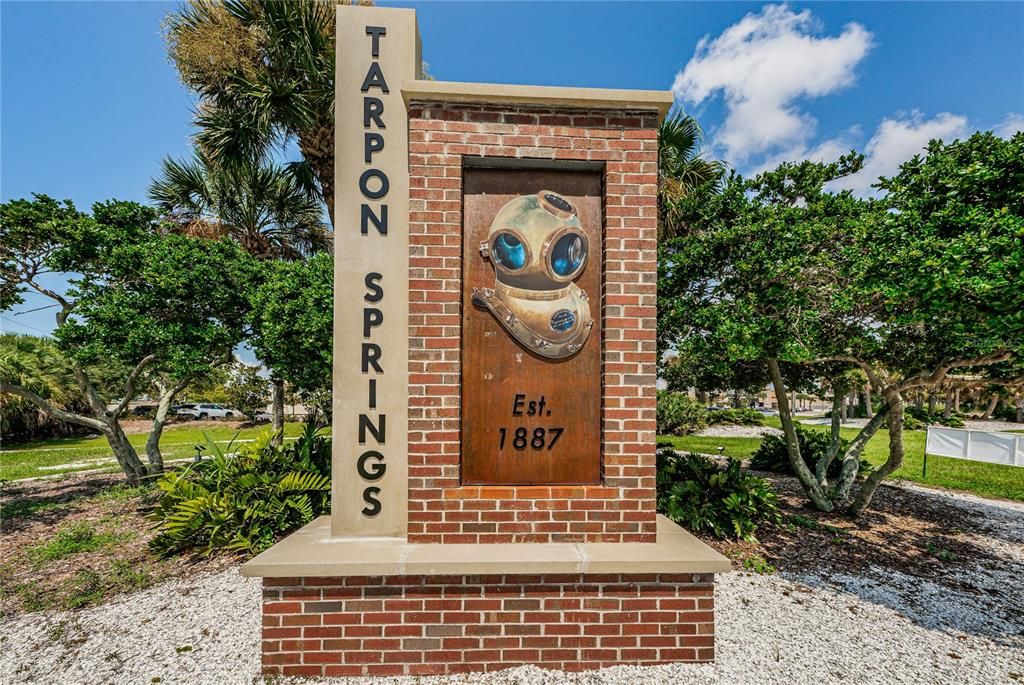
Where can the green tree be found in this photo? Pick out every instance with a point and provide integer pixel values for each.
(292, 322)
(247, 390)
(682, 166)
(261, 206)
(264, 74)
(913, 289)
(140, 304)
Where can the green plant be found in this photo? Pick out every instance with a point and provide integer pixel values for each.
(736, 417)
(86, 587)
(772, 455)
(920, 417)
(725, 502)
(72, 539)
(244, 502)
(757, 564)
(939, 552)
(678, 414)
(126, 576)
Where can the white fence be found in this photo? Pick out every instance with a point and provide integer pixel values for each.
(960, 443)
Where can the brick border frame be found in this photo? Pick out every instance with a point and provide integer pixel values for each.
(622, 508)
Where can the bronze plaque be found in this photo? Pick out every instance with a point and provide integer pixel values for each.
(531, 327)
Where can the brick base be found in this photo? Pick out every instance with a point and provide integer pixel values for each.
(417, 625)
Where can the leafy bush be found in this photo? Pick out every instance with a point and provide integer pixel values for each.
(725, 502)
(772, 454)
(244, 502)
(736, 417)
(678, 414)
(921, 418)
(1006, 411)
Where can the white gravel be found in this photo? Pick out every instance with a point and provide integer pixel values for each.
(738, 431)
(793, 629)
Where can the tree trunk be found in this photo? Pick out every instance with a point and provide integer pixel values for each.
(736, 399)
(867, 402)
(947, 409)
(806, 478)
(993, 402)
(956, 400)
(163, 408)
(317, 147)
(851, 459)
(1020, 411)
(896, 453)
(931, 403)
(125, 453)
(277, 409)
(821, 468)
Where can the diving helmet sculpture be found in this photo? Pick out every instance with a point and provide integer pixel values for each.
(537, 247)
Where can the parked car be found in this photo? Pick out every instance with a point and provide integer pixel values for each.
(143, 410)
(207, 411)
(768, 411)
(264, 417)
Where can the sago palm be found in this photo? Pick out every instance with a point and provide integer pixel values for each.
(682, 165)
(264, 73)
(262, 206)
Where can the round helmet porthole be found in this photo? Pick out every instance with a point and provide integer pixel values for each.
(508, 250)
(568, 255)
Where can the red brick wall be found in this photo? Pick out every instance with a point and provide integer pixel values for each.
(420, 625)
(622, 508)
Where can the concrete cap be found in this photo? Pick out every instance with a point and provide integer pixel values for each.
(540, 96)
(311, 552)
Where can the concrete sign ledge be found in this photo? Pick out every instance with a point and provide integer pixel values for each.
(541, 96)
(312, 552)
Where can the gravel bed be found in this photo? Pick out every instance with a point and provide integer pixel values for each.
(738, 431)
(880, 626)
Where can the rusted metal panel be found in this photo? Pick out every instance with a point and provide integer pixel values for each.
(527, 418)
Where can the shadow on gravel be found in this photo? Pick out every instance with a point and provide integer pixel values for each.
(945, 565)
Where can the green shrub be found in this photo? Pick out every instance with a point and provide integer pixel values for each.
(921, 418)
(246, 501)
(772, 454)
(678, 414)
(725, 502)
(736, 417)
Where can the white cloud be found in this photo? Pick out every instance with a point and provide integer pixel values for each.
(897, 140)
(826, 151)
(1011, 123)
(763, 65)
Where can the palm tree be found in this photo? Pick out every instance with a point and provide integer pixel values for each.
(682, 165)
(264, 73)
(261, 206)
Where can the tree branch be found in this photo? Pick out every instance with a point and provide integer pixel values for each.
(129, 386)
(921, 380)
(60, 414)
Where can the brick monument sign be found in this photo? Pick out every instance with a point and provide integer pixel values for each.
(494, 387)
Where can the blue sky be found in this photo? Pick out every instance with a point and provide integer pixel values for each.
(89, 104)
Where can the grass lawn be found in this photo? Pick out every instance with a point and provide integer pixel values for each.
(988, 480)
(76, 454)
